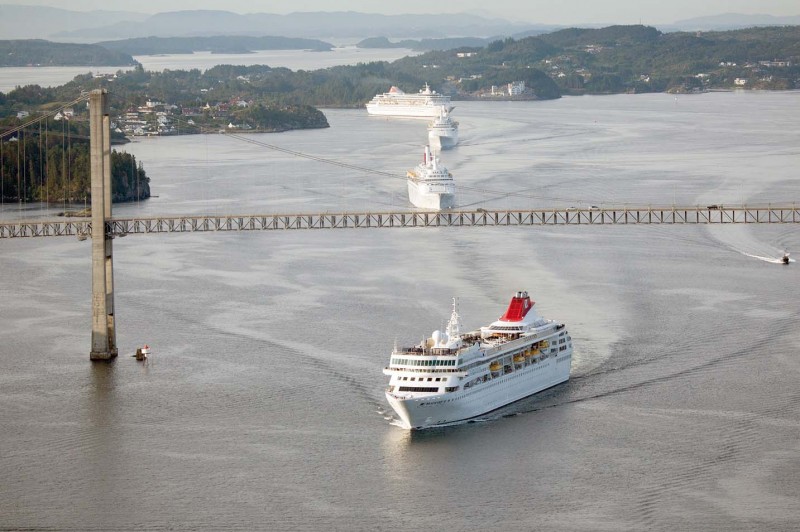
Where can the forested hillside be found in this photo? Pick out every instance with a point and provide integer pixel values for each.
(37, 52)
(50, 162)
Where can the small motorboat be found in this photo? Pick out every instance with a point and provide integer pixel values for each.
(785, 258)
(142, 353)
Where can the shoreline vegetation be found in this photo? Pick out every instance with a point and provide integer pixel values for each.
(260, 98)
(51, 164)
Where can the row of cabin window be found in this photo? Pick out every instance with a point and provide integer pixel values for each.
(414, 362)
(425, 389)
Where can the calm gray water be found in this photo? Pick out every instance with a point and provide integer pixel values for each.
(262, 406)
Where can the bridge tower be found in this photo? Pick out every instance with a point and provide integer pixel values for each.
(104, 338)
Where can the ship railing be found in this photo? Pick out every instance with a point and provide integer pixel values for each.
(494, 347)
(547, 332)
(428, 370)
(426, 351)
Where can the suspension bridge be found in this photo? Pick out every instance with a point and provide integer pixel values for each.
(103, 320)
(667, 215)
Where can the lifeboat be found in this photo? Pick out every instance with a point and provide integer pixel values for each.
(494, 366)
(519, 357)
(544, 343)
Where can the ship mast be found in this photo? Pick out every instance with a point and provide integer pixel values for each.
(454, 325)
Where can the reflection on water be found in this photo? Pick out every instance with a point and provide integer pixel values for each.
(101, 446)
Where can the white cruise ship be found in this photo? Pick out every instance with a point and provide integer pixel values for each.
(443, 132)
(425, 104)
(431, 186)
(454, 376)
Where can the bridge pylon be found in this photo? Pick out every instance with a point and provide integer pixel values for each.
(104, 338)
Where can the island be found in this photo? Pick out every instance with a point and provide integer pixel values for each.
(235, 44)
(38, 52)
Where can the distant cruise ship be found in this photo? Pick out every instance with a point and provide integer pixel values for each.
(425, 104)
(443, 132)
(431, 186)
(454, 376)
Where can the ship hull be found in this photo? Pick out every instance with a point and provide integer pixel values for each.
(419, 195)
(425, 111)
(443, 409)
(442, 140)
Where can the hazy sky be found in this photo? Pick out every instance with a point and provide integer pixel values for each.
(545, 11)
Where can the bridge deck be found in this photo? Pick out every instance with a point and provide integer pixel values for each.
(672, 215)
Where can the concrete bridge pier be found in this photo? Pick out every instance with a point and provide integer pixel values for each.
(104, 338)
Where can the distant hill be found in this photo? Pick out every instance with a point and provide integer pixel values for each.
(426, 45)
(45, 53)
(645, 49)
(40, 22)
(616, 59)
(731, 21)
(612, 35)
(219, 44)
(322, 25)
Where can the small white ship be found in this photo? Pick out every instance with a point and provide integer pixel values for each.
(454, 376)
(443, 132)
(431, 186)
(425, 104)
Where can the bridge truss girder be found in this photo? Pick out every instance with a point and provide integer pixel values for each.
(772, 214)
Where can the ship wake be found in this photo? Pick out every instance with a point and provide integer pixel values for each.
(771, 260)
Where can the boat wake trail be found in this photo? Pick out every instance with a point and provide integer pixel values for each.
(771, 260)
(740, 241)
(570, 392)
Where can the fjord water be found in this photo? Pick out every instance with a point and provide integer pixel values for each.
(262, 406)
